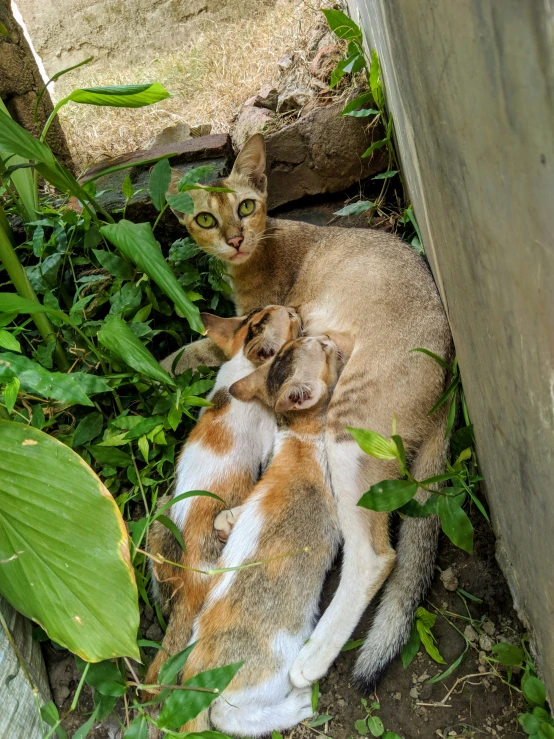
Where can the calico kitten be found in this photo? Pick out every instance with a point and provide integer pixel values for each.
(264, 614)
(223, 455)
(375, 287)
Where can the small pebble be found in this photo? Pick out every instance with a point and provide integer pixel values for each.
(449, 579)
(470, 633)
(398, 696)
(414, 693)
(489, 628)
(485, 642)
(423, 678)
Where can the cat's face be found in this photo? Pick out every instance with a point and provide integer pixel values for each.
(260, 334)
(301, 375)
(231, 225)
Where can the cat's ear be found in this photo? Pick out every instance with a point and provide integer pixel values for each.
(344, 343)
(299, 396)
(252, 386)
(172, 189)
(250, 163)
(221, 330)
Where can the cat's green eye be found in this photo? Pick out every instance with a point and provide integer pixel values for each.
(246, 208)
(205, 220)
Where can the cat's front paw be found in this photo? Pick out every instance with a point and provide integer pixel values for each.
(311, 664)
(224, 522)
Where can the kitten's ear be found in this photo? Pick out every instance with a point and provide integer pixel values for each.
(299, 396)
(252, 386)
(221, 330)
(344, 343)
(250, 162)
(172, 189)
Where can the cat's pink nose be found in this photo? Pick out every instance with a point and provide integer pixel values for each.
(235, 242)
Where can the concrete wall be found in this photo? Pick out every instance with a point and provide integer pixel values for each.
(471, 86)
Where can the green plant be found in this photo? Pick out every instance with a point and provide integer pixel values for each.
(89, 421)
(372, 724)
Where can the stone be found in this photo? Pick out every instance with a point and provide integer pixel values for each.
(320, 153)
(470, 633)
(485, 642)
(154, 633)
(286, 61)
(251, 120)
(325, 61)
(489, 628)
(266, 97)
(449, 579)
(170, 135)
(293, 99)
(414, 693)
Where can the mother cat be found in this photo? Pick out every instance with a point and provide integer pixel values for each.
(373, 286)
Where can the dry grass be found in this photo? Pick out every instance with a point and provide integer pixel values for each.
(210, 80)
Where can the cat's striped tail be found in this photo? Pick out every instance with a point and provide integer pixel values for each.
(411, 577)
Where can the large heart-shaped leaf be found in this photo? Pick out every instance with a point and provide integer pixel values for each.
(66, 546)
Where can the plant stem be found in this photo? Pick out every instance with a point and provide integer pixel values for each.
(5, 226)
(21, 283)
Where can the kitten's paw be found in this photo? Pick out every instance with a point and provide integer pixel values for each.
(224, 522)
(311, 664)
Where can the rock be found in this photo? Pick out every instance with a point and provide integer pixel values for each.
(287, 60)
(325, 61)
(170, 135)
(154, 633)
(397, 696)
(485, 642)
(449, 579)
(470, 633)
(203, 129)
(251, 120)
(489, 628)
(293, 99)
(214, 150)
(423, 678)
(266, 98)
(320, 153)
(414, 693)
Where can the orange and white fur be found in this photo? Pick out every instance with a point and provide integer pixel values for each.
(264, 614)
(223, 455)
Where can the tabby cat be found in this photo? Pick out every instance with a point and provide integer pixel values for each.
(264, 614)
(223, 455)
(374, 287)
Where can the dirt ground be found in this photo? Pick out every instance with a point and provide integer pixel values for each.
(470, 703)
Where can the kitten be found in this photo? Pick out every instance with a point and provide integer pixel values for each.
(223, 455)
(373, 286)
(264, 614)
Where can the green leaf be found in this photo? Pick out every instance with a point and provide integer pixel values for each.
(315, 696)
(357, 103)
(355, 209)
(352, 644)
(388, 495)
(508, 654)
(401, 453)
(455, 523)
(343, 26)
(104, 704)
(450, 670)
(9, 342)
(375, 726)
(385, 175)
(184, 705)
(11, 391)
(104, 676)
(144, 426)
(411, 647)
(391, 735)
(127, 187)
(72, 573)
(530, 723)
(547, 730)
(160, 177)
(374, 444)
(428, 642)
(434, 356)
(82, 731)
(276, 735)
(138, 729)
(138, 244)
(171, 526)
(49, 714)
(319, 720)
(183, 496)
(110, 455)
(428, 619)
(51, 385)
(182, 202)
(375, 79)
(413, 509)
(114, 264)
(451, 414)
(88, 428)
(116, 336)
(533, 690)
(173, 666)
(461, 440)
(195, 175)
(361, 727)
(374, 146)
(444, 397)
(120, 96)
